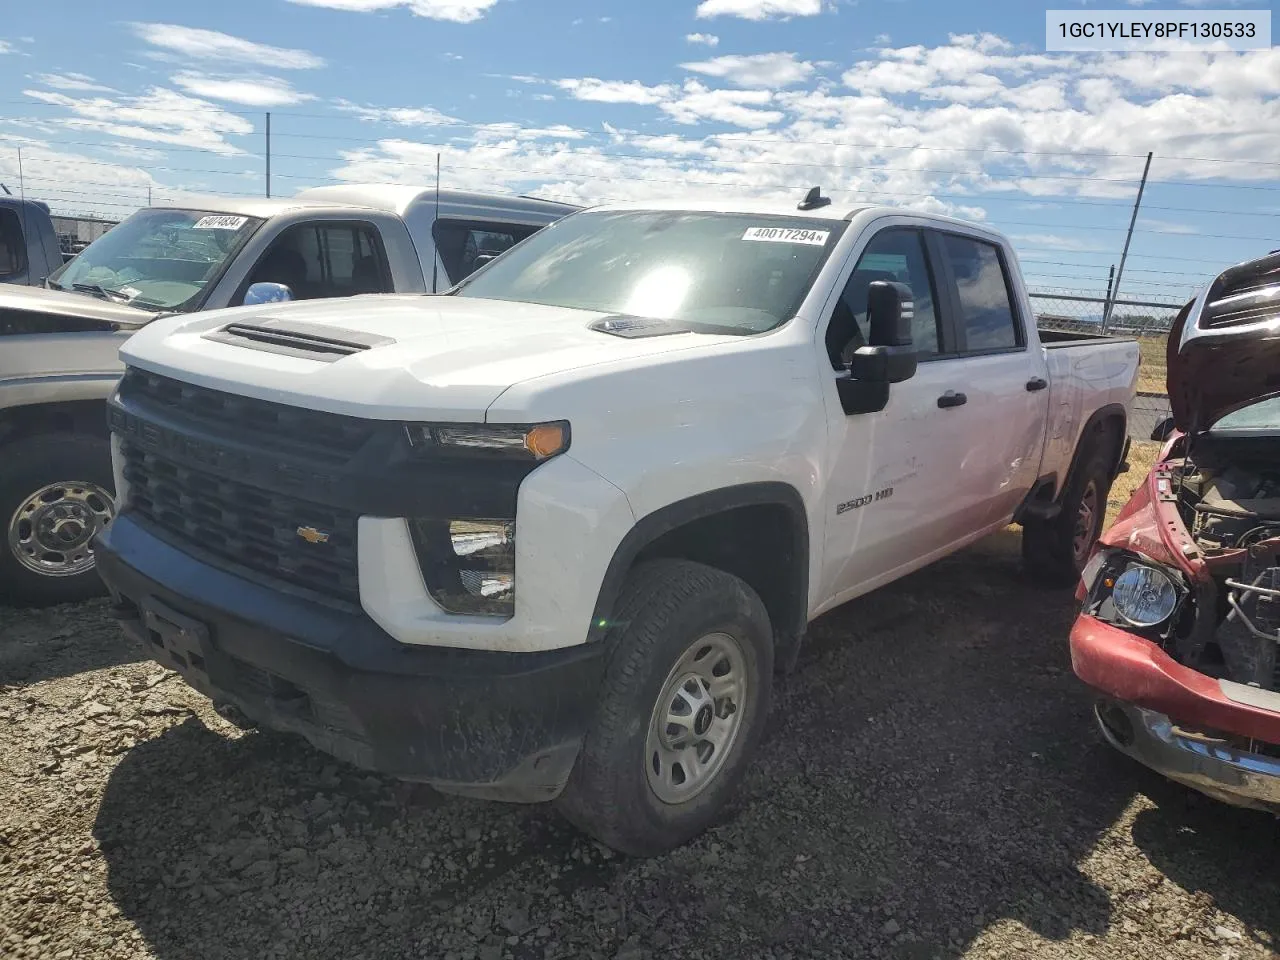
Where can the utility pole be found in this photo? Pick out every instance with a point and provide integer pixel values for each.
(148, 194)
(1111, 285)
(1111, 300)
(268, 154)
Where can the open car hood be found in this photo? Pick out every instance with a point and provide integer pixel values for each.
(1224, 348)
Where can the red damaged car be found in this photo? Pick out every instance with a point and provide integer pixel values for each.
(1180, 617)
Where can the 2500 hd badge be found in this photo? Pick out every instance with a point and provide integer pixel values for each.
(848, 505)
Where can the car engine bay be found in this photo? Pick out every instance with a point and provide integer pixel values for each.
(1229, 500)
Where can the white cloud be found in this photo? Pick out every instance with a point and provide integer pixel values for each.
(73, 81)
(159, 115)
(758, 9)
(198, 44)
(1166, 226)
(706, 39)
(457, 11)
(755, 70)
(6, 47)
(72, 183)
(1053, 241)
(399, 116)
(740, 108)
(252, 91)
(614, 91)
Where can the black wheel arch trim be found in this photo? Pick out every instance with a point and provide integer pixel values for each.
(674, 515)
(1103, 413)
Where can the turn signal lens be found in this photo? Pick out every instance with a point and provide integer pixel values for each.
(546, 440)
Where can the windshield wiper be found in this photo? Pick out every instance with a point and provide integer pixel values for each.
(98, 290)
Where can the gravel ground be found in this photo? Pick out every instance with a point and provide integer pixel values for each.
(930, 786)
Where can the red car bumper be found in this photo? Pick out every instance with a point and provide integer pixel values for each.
(1190, 727)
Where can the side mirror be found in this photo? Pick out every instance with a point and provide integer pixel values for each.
(266, 293)
(889, 357)
(1163, 429)
(482, 259)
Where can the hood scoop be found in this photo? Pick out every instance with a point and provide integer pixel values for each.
(293, 339)
(635, 328)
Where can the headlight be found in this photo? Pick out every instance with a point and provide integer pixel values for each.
(1144, 596)
(468, 566)
(523, 442)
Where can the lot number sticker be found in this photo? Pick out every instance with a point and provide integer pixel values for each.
(219, 223)
(814, 238)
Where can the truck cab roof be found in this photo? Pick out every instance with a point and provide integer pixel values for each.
(399, 199)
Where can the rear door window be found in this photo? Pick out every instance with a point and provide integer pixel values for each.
(466, 245)
(986, 317)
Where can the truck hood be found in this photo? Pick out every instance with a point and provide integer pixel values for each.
(1224, 348)
(65, 304)
(408, 357)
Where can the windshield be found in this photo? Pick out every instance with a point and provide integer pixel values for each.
(1261, 416)
(161, 258)
(721, 272)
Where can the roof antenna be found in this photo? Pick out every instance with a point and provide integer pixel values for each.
(813, 200)
(7, 191)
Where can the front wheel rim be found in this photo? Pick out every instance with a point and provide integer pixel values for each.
(697, 718)
(1086, 524)
(51, 533)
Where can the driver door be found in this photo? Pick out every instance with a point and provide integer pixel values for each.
(895, 495)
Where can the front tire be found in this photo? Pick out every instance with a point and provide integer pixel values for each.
(56, 494)
(682, 708)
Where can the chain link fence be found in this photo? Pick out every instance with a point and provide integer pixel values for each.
(1146, 321)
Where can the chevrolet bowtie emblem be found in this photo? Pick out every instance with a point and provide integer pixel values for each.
(312, 535)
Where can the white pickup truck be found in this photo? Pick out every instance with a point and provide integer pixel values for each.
(59, 346)
(547, 536)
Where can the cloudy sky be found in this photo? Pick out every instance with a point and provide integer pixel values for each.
(924, 103)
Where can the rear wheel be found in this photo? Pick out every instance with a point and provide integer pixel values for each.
(56, 495)
(1056, 551)
(684, 700)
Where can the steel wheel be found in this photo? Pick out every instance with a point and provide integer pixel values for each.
(51, 532)
(696, 719)
(1085, 530)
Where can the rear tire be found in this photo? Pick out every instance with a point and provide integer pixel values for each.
(681, 710)
(1056, 551)
(56, 493)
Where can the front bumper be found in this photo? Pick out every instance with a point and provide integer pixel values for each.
(502, 725)
(1239, 777)
(1190, 727)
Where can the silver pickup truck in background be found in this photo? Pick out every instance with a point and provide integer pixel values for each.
(59, 344)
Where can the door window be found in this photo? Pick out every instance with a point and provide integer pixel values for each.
(462, 242)
(318, 260)
(896, 254)
(13, 248)
(987, 320)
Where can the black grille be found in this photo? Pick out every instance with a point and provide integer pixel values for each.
(329, 437)
(246, 528)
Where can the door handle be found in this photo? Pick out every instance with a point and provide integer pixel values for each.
(952, 399)
(1036, 383)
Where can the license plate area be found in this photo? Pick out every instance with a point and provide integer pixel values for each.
(177, 641)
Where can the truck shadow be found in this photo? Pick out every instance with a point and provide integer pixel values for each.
(929, 770)
(45, 644)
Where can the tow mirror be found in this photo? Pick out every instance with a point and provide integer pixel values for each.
(889, 357)
(1163, 429)
(267, 293)
(482, 259)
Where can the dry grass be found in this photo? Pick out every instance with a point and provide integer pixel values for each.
(1142, 456)
(1152, 368)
